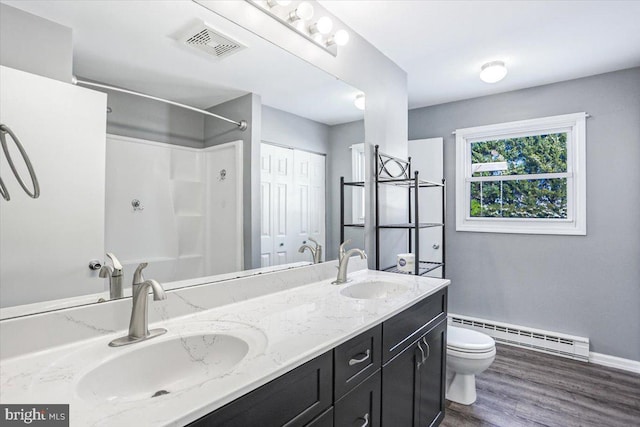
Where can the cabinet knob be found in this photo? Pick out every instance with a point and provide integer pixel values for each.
(436, 246)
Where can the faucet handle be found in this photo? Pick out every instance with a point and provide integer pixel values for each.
(117, 267)
(342, 251)
(315, 242)
(138, 277)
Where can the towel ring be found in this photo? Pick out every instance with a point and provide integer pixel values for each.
(4, 129)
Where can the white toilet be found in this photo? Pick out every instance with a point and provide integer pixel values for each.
(468, 353)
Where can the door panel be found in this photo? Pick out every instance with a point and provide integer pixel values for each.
(427, 158)
(276, 174)
(293, 203)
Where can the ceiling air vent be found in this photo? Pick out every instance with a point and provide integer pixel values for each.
(211, 41)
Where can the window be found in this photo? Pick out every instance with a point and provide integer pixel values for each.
(522, 177)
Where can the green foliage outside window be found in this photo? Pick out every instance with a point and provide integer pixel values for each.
(532, 198)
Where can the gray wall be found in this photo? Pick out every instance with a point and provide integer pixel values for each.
(339, 164)
(283, 128)
(249, 108)
(35, 45)
(137, 117)
(582, 285)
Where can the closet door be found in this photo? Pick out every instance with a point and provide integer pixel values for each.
(293, 203)
(47, 242)
(308, 208)
(276, 165)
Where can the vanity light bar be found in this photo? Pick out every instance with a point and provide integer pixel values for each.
(298, 17)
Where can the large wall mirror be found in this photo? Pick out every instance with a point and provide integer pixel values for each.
(195, 197)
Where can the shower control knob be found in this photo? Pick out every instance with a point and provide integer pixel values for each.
(95, 264)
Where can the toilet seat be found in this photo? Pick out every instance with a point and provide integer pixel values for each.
(467, 341)
(471, 355)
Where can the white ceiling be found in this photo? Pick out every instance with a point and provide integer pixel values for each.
(442, 44)
(132, 44)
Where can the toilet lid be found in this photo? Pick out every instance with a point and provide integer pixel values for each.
(467, 340)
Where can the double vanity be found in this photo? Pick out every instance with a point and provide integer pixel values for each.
(281, 348)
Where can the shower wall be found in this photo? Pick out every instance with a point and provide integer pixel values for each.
(183, 207)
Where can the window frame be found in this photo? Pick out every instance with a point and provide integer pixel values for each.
(575, 223)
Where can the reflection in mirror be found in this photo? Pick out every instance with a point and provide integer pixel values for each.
(195, 197)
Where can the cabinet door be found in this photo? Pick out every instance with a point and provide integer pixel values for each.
(400, 384)
(430, 376)
(413, 383)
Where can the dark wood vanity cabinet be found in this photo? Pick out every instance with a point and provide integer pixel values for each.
(392, 375)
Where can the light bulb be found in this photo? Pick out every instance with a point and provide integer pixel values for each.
(359, 102)
(493, 72)
(341, 37)
(323, 26)
(304, 11)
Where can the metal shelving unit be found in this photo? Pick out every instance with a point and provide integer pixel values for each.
(391, 170)
(344, 184)
(397, 172)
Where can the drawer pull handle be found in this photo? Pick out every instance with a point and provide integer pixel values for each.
(355, 361)
(424, 341)
(422, 359)
(366, 420)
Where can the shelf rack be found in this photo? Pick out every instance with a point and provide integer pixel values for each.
(397, 172)
(394, 171)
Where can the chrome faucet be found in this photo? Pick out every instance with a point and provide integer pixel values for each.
(115, 276)
(139, 323)
(343, 262)
(316, 252)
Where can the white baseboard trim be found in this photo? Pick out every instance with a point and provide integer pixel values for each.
(614, 362)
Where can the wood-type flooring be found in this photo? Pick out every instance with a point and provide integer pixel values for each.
(533, 389)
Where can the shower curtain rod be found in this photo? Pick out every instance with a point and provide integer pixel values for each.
(242, 124)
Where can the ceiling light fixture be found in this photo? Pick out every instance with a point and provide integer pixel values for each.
(297, 17)
(493, 72)
(273, 3)
(340, 38)
(304, 11)
(323, 26)
(359, 102)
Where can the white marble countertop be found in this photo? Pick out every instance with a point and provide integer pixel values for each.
(283, 329)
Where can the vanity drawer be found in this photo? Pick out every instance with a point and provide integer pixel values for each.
(293, 399)
(361, 406)
(356, 359)
(324, 420)
(404, 328)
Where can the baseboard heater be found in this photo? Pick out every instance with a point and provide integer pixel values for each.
(563, 345)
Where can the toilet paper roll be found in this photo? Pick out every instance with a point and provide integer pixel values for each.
(406, 262)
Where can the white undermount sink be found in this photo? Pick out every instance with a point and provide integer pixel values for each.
(155, 368)
(373, 290)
